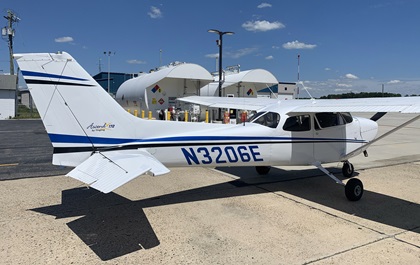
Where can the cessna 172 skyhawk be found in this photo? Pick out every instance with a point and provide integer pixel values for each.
(109, 147)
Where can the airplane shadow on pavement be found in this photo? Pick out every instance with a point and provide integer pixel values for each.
(113, 226)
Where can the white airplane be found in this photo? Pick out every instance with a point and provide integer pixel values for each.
(109, 147)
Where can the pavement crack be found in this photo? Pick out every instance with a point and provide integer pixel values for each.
(349, 249)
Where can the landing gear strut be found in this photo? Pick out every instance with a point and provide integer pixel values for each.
(354, 187)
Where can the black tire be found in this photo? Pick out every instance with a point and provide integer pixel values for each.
(354, 189)
(348, 170)
(262, 170)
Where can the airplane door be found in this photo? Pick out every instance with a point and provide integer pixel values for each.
(329, 136)
(301, 134)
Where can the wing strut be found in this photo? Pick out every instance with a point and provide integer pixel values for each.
(377, 116)
(329, 174)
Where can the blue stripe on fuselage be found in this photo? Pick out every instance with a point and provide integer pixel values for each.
(79, 139)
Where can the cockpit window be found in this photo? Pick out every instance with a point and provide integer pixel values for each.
(347, 117)
(269, 119)
(299, 123)
(330, 119)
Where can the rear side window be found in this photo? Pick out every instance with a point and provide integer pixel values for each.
(299, 123)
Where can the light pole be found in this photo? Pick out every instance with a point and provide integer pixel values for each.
(109, 71)
(220, 44)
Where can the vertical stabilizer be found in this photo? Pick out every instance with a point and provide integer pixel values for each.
(74, 108)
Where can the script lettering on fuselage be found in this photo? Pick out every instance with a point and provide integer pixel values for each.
(222, 155)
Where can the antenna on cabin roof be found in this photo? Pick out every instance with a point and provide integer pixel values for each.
(300, 82)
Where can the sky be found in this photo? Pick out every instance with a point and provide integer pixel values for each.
(344, 46)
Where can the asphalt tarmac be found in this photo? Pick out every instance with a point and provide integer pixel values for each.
(294, 215)
(26, 150)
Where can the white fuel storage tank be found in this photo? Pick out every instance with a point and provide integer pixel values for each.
(241, 84)
(158, 90)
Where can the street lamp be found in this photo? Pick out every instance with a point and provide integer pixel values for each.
(220, 44)
(109, 66)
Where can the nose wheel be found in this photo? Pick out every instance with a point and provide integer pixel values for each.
(348, 169)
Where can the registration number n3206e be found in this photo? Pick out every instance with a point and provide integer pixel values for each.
(222, 155)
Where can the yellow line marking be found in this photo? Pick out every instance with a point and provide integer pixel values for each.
(9, 165)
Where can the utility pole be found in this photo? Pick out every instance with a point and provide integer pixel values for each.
(9, 32)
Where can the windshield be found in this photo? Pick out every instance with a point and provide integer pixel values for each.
(269, 119)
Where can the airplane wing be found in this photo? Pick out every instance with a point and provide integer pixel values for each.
(106, 172)
(391, 104)
(230, 102)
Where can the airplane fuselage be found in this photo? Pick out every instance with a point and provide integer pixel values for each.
(257, 143)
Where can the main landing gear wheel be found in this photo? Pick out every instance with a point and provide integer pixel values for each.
(354, 189)
(348, 169)
(262, 170)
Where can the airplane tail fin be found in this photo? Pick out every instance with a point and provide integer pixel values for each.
(75, 109)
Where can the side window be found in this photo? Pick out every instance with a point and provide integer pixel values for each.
(299, 123)
(328, 119)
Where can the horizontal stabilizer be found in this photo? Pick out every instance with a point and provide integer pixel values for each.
(106, 172)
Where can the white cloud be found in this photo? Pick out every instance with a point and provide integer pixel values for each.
(154, 12)
(134, 61)
(64, 39)
(270, 57)
(212, 55)
(235, 55)
(394, 82)
(262, 5)
(241, 52)
(344, 85)
(275, 47)
(343, 90)
(298, 45)
(351, 76)
(262, 25)
(327, 69)
(335, 86)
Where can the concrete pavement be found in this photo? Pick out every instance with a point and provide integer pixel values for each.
(294, 215)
